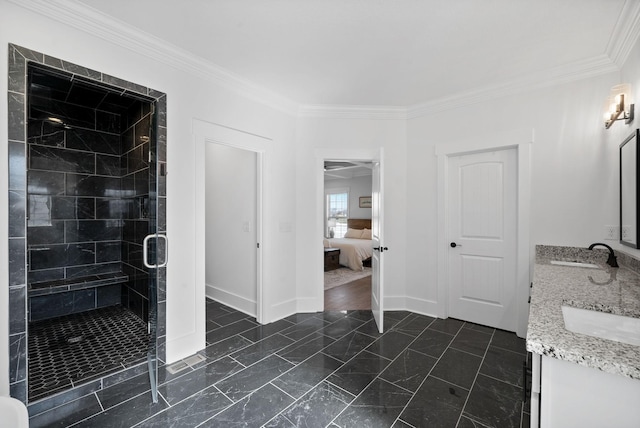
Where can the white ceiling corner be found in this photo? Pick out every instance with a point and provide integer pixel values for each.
(625, 33)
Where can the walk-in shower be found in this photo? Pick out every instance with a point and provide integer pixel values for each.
(87, 208)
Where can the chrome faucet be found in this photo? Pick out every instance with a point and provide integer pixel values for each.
(611, 261)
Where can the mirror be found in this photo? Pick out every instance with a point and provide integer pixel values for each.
(629, 161)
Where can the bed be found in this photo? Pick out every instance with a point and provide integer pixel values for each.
(356, 247)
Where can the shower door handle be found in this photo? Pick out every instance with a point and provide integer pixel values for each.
(145, 251)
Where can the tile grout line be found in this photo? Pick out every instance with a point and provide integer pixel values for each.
(221, 410)
(387, 366)
(325, 379)
(427, 376)
(475, 378)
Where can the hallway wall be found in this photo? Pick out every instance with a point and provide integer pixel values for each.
(231, 259)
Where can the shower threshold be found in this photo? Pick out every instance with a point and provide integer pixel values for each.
(70, 350)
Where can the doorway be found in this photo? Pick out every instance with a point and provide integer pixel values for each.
(252, 152)
(373, 161)
(231, 226)
(347, 286)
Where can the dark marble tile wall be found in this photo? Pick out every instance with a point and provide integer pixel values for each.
(137, 220)
(106, 143)
(17, 275)
(74, 192)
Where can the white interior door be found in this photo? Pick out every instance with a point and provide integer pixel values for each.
(377, 265)
(482, 200)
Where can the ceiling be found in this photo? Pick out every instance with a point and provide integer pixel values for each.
(345, 170)
(383, 53)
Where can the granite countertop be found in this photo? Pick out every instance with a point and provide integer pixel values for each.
(613, 290)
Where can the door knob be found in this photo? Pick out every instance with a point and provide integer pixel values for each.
(454, 245)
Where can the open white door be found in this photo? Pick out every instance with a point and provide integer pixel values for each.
(482, 231)
(377, 278)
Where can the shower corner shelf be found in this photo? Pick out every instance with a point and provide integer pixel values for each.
(80, 283)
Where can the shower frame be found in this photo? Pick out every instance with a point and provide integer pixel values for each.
(18, 63)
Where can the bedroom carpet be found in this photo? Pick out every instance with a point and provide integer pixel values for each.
(343, 275)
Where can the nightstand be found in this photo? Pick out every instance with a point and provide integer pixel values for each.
(331, 258)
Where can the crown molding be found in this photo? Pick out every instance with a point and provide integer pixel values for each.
(352, 112)
(625, 33)
(565, 74)
(96, 23)
(91, 21)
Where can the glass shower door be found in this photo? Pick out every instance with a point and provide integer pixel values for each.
(155, 247)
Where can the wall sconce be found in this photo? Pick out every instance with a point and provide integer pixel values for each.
(619, 105)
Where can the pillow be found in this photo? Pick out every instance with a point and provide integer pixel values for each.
(366, 234)
(353, 233)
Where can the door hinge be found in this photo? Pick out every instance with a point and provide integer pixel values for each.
(258, 245)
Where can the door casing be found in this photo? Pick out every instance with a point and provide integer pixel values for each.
(522, 141)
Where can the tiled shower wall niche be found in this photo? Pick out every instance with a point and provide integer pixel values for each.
(75, 209)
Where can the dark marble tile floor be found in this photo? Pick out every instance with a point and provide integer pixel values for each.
(330, 369)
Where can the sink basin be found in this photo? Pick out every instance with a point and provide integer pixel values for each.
(603, 325)
(575, 264)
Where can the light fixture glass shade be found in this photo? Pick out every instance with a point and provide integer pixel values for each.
(621, 89)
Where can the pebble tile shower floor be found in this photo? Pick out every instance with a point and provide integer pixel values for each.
(73, 349)
(327, 369)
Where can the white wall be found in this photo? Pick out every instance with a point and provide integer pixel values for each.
(231, 226)
(188, 96)
(574, 167)
(338, 139)
(358, 186)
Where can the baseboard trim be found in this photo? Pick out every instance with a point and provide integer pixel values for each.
(395, 303)
(422, 306)
(184, 346)
(307, 304)
(418, 306)
(232, 300)
(281, 310)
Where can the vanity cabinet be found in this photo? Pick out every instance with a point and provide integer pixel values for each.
(565, 394)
